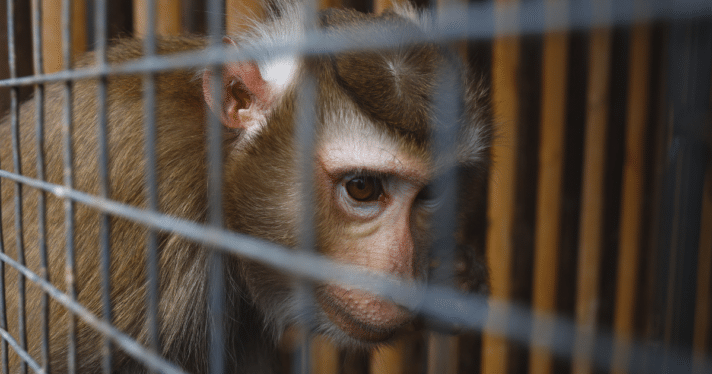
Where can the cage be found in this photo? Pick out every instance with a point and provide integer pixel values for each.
(598, 203)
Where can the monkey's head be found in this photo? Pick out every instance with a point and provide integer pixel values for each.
(374, 167)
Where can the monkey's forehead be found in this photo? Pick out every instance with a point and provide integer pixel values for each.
(394, 89)
(391, 86)
(344, 125)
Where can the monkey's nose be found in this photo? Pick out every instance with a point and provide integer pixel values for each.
(362, 315)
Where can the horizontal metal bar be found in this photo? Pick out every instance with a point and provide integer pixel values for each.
(442, 303)
(299, 263)
(21, 352)
(128, 344)
(473, 21)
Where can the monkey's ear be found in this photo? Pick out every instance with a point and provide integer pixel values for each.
(246, 96)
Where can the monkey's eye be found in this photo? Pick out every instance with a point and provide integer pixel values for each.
(429, 198)
(364, 188)
(426, 194)
(241, 95)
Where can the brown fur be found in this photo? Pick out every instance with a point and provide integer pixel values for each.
(259, 199)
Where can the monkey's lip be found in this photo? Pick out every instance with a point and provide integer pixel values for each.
(362, 315)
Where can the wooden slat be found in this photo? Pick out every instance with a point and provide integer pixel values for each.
(548, 214)
(390, 359)
(703, 310)
(323, 4)
(325, 356)
(632, 195)
(168, 17)
(52, 33)
(591, 224)
(380, 5)
(505, 63)
(442, 353)
(240, 12)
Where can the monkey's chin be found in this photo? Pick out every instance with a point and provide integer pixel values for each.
(361, 315)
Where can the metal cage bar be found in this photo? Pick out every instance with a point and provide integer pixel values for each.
(17, 163)
(68, 180)
(688, 158)
(216, 283)
(41, 202)
(149, 102)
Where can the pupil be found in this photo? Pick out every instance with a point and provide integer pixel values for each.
(364, 188)
(361, 184)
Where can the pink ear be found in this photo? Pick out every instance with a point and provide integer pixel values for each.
(246, 96)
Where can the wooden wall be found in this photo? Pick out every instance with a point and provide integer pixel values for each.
(574, 196)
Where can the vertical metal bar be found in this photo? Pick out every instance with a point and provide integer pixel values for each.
(3, 307)
(149, 108)
(446, 120)
(305, 136)
(216, 11)
(447, 109)
(68, 173)
(13, 92)
(16, 155)
(41, 202)
(100, 31)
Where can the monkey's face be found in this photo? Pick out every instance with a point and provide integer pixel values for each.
(374, 205)
(372, 172)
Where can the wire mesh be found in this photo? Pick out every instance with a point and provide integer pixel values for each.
(436, 300)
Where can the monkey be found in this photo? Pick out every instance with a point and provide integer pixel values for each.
(373, 170)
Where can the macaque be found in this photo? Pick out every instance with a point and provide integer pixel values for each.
(373, 170)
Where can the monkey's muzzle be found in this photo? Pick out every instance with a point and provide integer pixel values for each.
(362, 315)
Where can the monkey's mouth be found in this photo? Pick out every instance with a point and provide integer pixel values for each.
(362, 315)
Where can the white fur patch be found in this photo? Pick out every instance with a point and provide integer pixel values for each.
(279, 72)
(352, 142)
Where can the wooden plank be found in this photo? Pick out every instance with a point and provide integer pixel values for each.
(442, 353)
(53, 60)
(323, 4)
(168, 17)
(548, 213)
(380, 5)
(325, 356)
(591, 224)
(240, 12)
(505, 65)
(390, 359)
(632, 194)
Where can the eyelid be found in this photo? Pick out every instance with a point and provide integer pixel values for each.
(346, 174)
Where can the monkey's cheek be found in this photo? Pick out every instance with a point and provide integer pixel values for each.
(362, 315)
